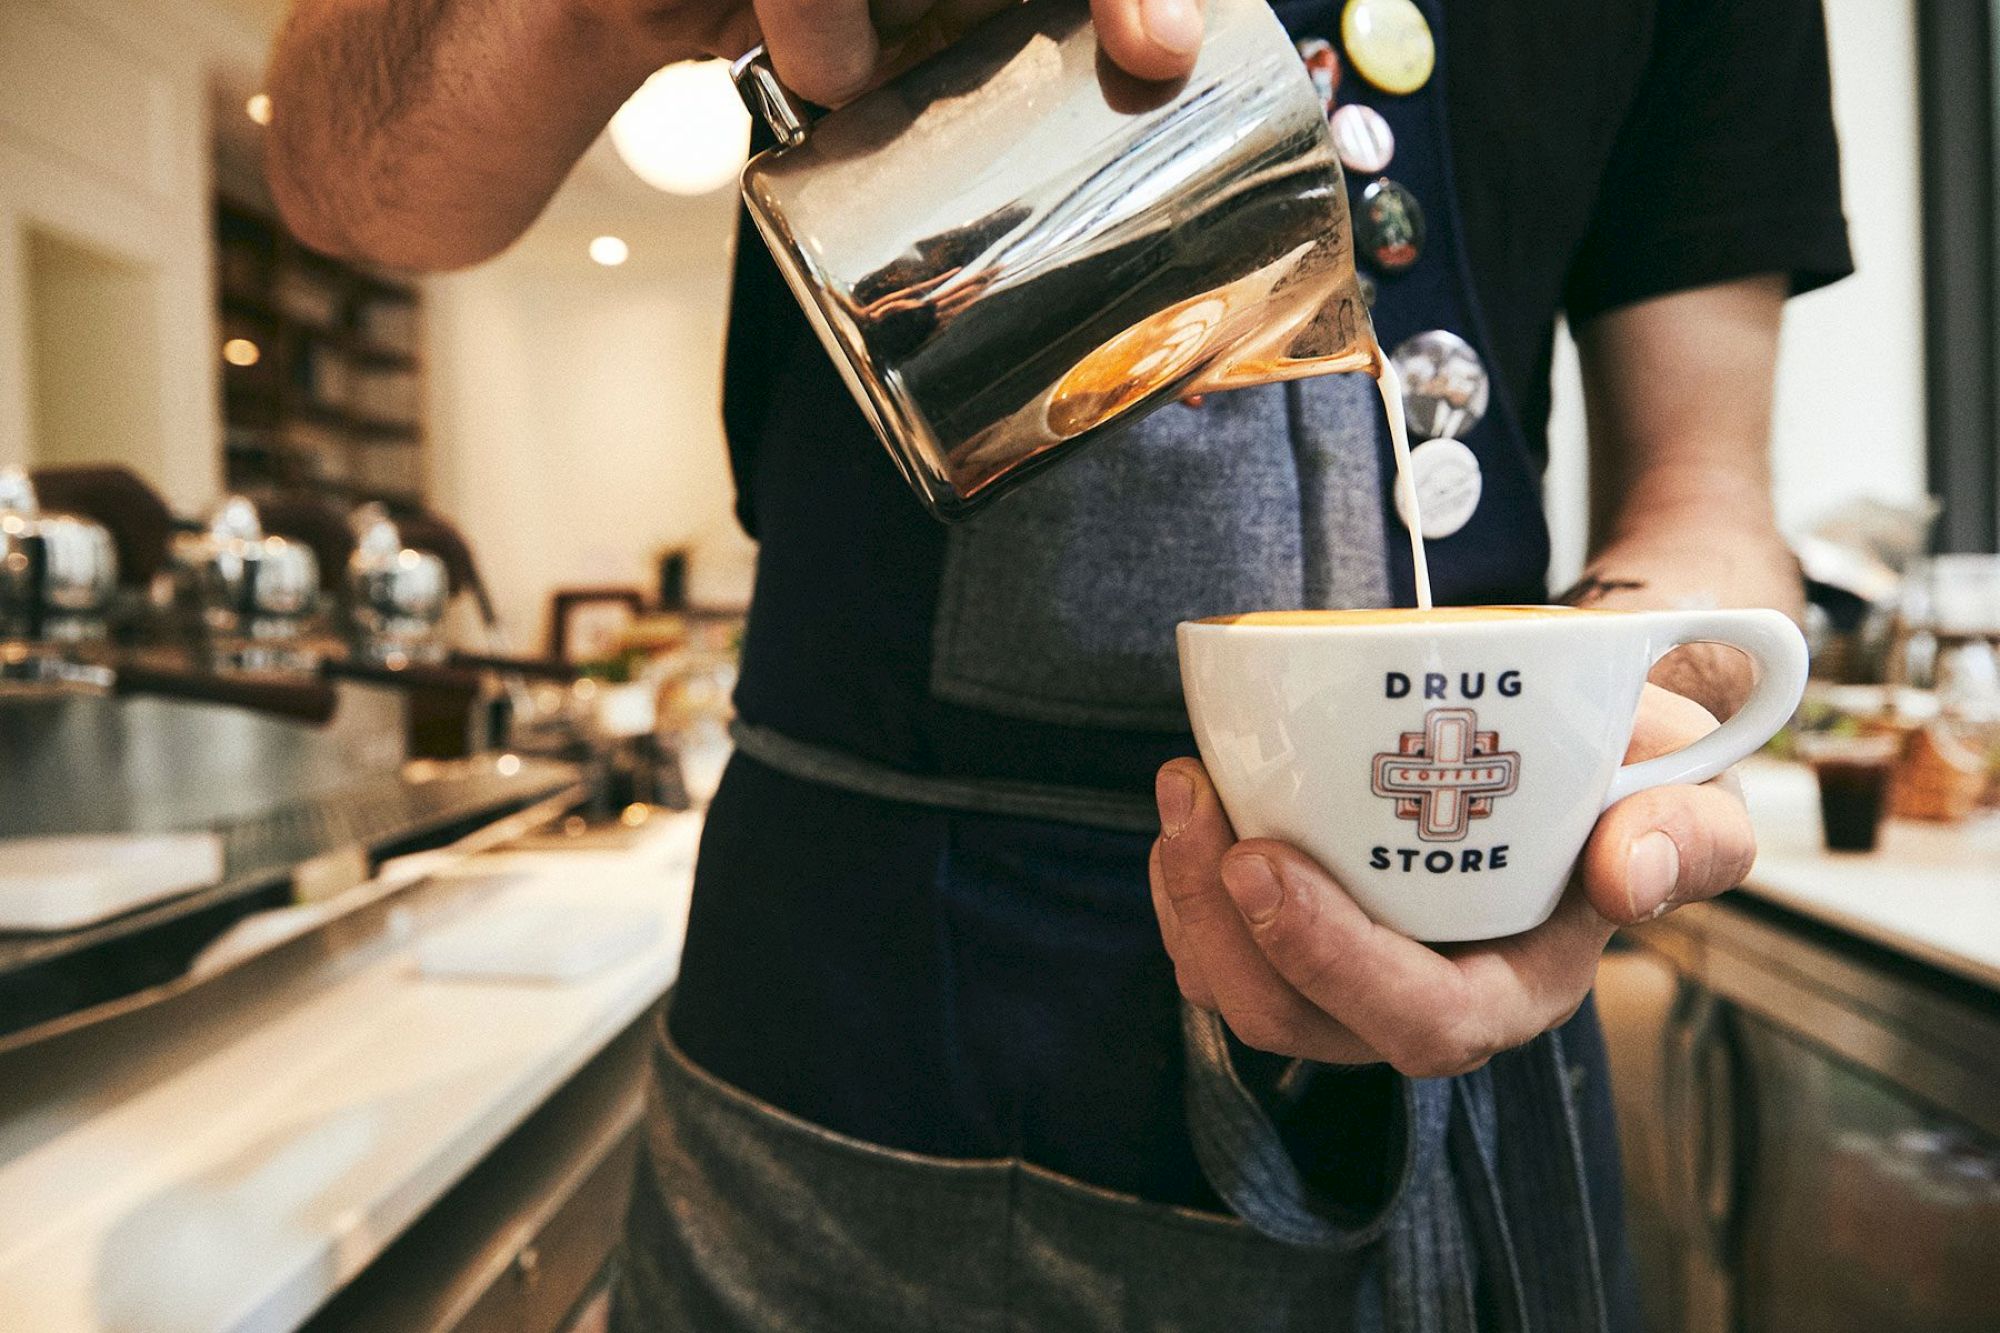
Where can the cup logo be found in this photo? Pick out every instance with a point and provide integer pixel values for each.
(1446, 775)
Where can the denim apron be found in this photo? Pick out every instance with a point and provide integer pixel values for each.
(1055, 609)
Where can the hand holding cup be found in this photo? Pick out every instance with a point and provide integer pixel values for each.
(1302, 938)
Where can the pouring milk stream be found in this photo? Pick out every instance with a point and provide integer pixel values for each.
(1391, 386)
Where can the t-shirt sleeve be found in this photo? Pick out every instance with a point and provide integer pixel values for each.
(1727, 165)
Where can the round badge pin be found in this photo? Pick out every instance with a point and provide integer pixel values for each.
(1445, 384)
(1389, 43)
(1323, 66)
(1448, 482)
(1389, 226)
(1363, 139)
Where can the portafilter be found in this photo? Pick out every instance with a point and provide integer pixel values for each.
(58, 573)
(256, 592)
(396, 594)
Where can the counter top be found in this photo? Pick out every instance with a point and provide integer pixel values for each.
(232, 1163)
(231, 1160)
(1930, 891)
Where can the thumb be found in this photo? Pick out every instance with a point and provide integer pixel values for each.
(1664, 847)
(1150, 39)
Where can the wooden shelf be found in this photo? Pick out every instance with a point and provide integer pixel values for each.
(384, 288)
(348, 344)
(255, 307)
(385, 432)
(380, 356)
(261, 270)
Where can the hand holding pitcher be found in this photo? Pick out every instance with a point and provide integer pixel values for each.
(829, 51)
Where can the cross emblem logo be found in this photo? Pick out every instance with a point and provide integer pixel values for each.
(1446, 775)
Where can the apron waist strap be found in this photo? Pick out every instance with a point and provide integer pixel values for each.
(1123, 812)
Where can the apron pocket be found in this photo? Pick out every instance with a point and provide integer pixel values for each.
(748, 1220)
(1092, 1259)
(1059, 601)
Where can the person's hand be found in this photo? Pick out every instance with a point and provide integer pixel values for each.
(829, 51)
(1263, 936)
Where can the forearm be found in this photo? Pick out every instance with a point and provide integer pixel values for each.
(1680, 393)
(430, 133)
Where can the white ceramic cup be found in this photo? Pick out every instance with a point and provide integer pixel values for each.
(1448, 771)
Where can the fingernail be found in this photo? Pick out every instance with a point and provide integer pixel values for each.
(1255, 887)
(1176, 797)
(1651, 869)
(1173, 25)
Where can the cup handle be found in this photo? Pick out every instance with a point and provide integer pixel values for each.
(769, 100)
(1777, 654)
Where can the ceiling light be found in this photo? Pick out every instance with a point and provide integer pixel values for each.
(685, 131)
(258, 108)
(241, 352)
(610, 251)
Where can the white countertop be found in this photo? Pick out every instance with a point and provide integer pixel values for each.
(1931, 891)
(231, 1164)
(232, 1168)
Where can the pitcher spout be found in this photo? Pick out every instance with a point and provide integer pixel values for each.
(1332, 338)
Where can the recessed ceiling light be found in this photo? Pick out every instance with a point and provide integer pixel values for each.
(610, 251)
(241, 352)
(258, 108)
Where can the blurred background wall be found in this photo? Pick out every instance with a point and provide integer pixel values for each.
(575, 408)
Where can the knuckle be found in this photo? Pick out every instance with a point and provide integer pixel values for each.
(1195, 909)
(1740, 856)
(1439, 1064)
(1258, 1029)
(1716, 854)
(1695, 839)
(1460, 1048)
(1181, 888)
(1191, 991)
(1314, 969)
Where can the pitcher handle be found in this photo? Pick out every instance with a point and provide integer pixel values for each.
(768, 99)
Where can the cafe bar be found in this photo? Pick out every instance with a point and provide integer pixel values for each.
(1008, 666)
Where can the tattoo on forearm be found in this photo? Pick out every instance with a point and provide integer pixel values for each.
(1594, 588)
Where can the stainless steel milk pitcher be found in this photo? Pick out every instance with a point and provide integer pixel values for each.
(1014, 247)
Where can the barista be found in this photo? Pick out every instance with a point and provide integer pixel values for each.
(927, 1064)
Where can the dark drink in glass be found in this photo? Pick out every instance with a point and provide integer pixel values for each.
(1854, 774)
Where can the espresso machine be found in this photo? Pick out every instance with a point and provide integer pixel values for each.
(219, 685)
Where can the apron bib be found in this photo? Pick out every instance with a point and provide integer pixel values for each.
(1058, 603)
